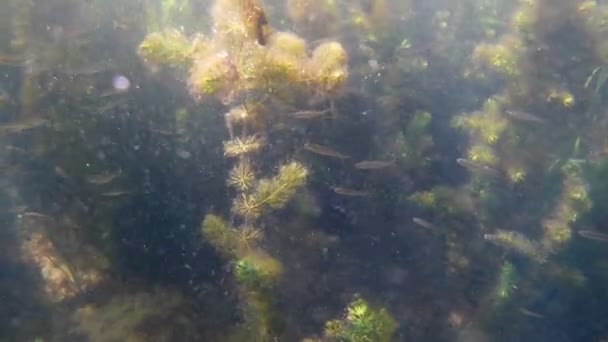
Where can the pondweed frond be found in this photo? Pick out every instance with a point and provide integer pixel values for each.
(241, 146)
(274, 193)
(247, 237)
(219, 234)
(247, 206)
(242, 176)
(277, 191)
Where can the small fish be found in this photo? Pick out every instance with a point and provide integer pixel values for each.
(423, 223)
(325, 151)
(36, 215)
(164, 132)
(590, 78)
(350, 192)
(309, 114)
(61, 173)
(373, 164)
(524, 117)
(527, 312)
(593, 235)
(21, 126)
(475, 167)
(183, 154)
(117, 193)
(12, 60)
(4, 98)
(102, 178)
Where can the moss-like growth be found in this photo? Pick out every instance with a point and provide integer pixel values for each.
(362, 323)
(502, 57)
(257, 269)
(327, 66)
(172, 48)
(213, 75)
(483, 155)
(219, 234)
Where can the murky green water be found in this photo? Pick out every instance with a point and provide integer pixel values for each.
(303, 170)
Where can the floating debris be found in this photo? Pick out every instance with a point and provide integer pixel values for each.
(22, 126)
(102, 178)
(476, 167)
(325, 151)
(373, 164)
(593, 235)
(350, 192)
(524, 117)
(309, 114)
(423, 223)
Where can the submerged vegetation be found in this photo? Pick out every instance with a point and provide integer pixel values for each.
(303, 170)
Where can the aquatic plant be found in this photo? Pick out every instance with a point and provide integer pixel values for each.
(272, 193)
(361, 323)
(172, 48)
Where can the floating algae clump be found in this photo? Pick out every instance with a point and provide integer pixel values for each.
(362, 323)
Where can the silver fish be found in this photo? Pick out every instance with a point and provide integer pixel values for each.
(309, 114)
(476, 167)
(423, 223)
(21, 126)
(117, 193)
(527, 312)
(324, 151)
(524, 117)
(593, 235)
(373, 164)
(350, 192)
(102, 178)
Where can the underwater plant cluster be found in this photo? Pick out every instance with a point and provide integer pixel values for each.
(303, 170)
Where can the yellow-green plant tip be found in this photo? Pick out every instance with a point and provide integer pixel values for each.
(483, 155)
(516, 175)
(242, 146)
(242, 176)
(218, 233)
(362, 323)
(247, 206)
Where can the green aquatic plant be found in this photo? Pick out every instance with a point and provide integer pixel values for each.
(507, 282)
(362, 323)
(219, 234)
(256, 269)
(272, 193)
(242, 176)
(171, 47)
